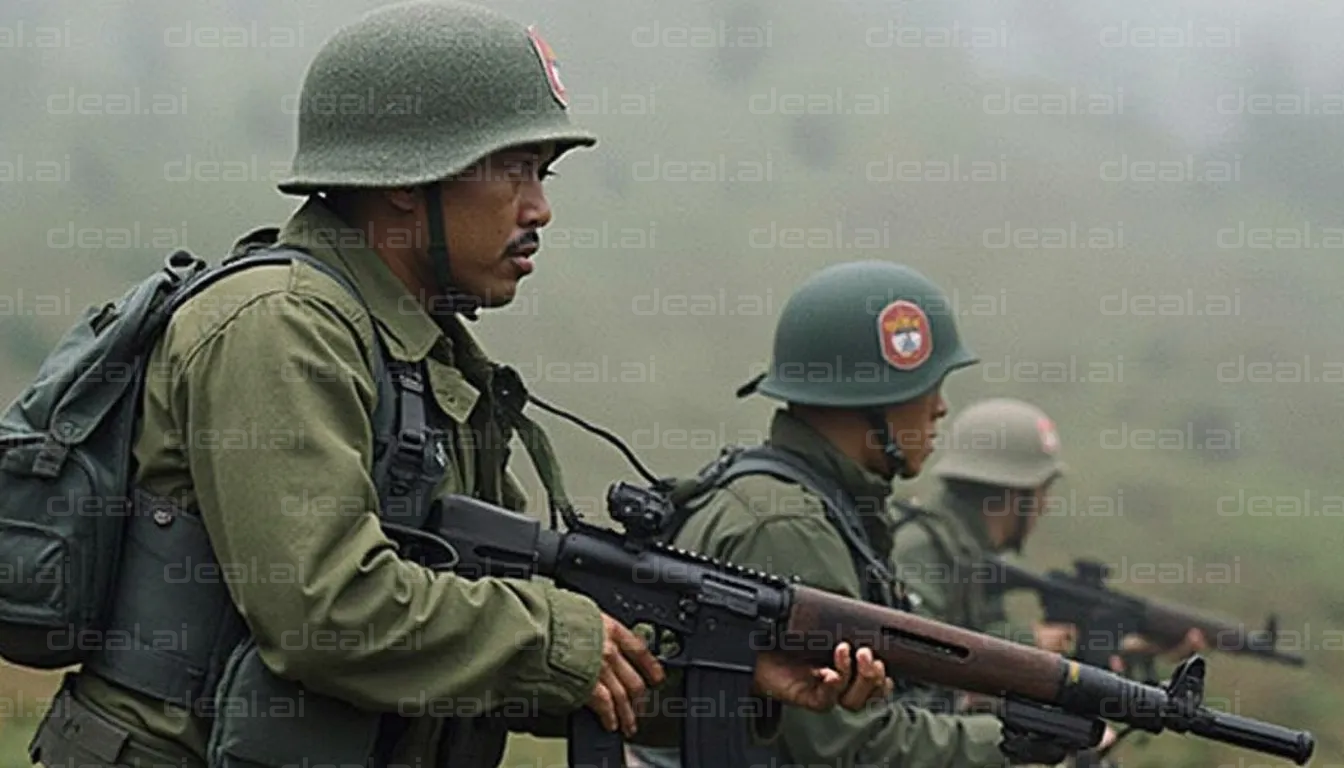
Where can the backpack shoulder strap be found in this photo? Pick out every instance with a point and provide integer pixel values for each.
(841, 510)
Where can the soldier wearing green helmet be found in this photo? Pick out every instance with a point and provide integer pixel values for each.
(265, 615)
(861, 351)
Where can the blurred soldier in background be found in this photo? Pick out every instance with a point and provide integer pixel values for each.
(1002, 457)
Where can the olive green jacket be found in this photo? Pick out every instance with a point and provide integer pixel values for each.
(770, 525)
(258, 415)
(941, 557)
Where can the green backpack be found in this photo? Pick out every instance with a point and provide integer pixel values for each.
(66, 462)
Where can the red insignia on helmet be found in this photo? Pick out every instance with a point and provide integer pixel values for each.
(547, 57)
(1049, 437)
(907, 339)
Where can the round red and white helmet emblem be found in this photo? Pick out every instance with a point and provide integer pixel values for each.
(907, 338)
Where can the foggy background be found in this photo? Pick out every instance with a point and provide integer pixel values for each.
(1133, 207)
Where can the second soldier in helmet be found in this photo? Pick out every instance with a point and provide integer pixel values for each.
(861, 352)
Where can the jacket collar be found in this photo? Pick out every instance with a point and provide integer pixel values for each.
(868, 489)
(409, 331)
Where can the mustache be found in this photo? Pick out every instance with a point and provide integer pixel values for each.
(522, 241)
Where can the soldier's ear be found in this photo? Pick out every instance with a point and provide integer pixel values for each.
(404, 199)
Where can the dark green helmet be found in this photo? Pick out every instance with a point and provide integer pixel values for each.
(1004, 443)
(863, 335)
(415, 92)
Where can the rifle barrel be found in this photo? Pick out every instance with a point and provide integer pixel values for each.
(1256, 735)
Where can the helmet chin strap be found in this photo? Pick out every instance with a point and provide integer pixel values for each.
(896, 463)
(457, 302)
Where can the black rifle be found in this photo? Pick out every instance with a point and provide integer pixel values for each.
(722, 616)
(1103, 616)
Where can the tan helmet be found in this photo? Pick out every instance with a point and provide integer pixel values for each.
(1004, 443)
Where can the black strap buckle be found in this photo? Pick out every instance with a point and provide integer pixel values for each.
(410, 455)
(509, 389)
(715, 469)
(406, 376)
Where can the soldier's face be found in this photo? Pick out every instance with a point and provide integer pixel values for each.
(493, 213)
(914, 427)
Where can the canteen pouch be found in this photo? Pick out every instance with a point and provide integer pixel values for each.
(261, 719)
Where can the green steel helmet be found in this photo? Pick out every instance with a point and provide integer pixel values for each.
(1004, 443)
(418, 91)
(863, 334)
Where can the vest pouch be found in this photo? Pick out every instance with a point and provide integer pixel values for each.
(171, 624)
(262, 719)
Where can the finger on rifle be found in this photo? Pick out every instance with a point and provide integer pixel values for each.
(844, 664)
(631, 683)
(824, 695)
(620, 699)
(828, 678)
(634, 648)
(601, 703)
(871, 667)
(869, 678)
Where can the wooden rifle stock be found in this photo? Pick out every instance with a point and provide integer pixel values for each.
(942, 654)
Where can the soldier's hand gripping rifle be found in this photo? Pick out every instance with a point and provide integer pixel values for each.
(723, 616)
(1104, 617)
